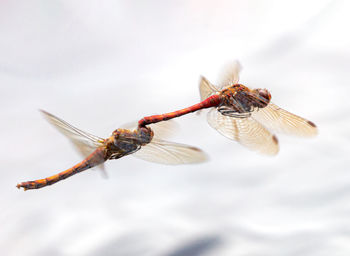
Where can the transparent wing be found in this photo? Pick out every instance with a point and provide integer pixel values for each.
(164, 152)
(163, 129)
(280, 120)
(206, 89)
(81, 139)
(246, 131)
(230, 74)
(84, 142)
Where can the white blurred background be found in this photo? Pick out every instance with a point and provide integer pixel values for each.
(100, 64)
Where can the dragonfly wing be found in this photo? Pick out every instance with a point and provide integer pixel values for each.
(245, 131)
(280, 120)
(72, 132)
(206, 89)
(84, 142)
(82, 147)
(164, 152)
(165, 129)
(230, 74)
(162, 129)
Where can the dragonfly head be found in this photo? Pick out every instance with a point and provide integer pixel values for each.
(263, 97)
(145, 134)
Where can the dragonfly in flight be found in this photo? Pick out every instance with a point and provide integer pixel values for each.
(242, 114)
(144, 143)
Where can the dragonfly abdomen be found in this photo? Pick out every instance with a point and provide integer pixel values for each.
(212, 101)
(95, 158)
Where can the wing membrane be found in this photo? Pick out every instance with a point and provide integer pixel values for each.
(230, 74)
(280, 120)
(245, 131)
(85, 143)
(164, 152)
(162, 129)
(206, 89)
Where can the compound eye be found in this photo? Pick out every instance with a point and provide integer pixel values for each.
(146, 131)
(264, 94)
(146, 134)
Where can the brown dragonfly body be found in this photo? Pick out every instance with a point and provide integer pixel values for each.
(243, 114)
(96, 158)
(141, 143)
(237, 112)
(236, 100)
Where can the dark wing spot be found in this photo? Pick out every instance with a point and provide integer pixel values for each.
(311, 123)
(274, 138)
(195, 149)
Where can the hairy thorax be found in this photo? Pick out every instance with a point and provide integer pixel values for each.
(124, 142)
(239, 101)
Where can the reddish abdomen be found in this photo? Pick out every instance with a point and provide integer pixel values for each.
(212, 101)
(95, 158)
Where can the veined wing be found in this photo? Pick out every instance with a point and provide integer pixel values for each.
(164, 152)
(85, 142)
(245, 131)
(279, 120)
(230, 74)
(163, 129)
(206, 89)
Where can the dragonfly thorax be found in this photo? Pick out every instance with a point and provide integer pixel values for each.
(236, 100)
(240, 101)
(121, 143)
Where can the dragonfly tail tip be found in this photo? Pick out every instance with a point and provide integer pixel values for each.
(19, 186)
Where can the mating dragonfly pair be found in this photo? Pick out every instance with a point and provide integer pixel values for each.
(237, 112)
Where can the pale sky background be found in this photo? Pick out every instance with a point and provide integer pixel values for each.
(100, 64)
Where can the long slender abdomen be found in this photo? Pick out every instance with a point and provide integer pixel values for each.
(95, 158)
(212, 101)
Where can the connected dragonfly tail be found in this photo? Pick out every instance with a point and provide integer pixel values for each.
(212, 101)
(95, 158)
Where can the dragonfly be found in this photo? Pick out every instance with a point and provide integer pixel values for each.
(144, 143)
(242, 114)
